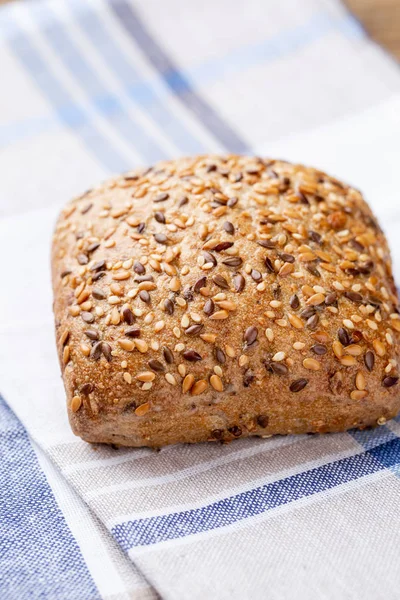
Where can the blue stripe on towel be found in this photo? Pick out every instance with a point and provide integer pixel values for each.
(141, 92)
(277, 47)
(105, 103)
(152, 530)
(71, 115)
(175, 80)
(39, 558)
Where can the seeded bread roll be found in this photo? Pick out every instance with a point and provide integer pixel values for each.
(213, 298)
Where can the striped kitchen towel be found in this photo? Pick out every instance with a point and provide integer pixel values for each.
(94, 87)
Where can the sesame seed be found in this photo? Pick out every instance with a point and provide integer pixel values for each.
(74, 310)
(141, 345)
(159, 325)
(185, 322)
(218, 371)
(127, 377)
(275, 303)
(269, 334)
(180, 301)
(170, 379)
(279, 356)
(379, 347)
(298, 345)
(372, 325)
(182, 370)
(243, 360)
(149, 318)
(230, 351)
(360, 381)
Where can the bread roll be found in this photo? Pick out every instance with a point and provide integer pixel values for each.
(213, 298)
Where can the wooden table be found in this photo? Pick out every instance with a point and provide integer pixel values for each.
(381, 18)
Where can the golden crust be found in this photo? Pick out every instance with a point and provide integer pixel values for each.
(213, 297)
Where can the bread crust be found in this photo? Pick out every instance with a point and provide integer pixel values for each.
(212, 298)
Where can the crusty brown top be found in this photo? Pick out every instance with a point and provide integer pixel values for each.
(211, 276)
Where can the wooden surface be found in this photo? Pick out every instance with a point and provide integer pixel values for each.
(381, 18)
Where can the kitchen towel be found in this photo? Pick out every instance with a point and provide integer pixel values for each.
(91, 88)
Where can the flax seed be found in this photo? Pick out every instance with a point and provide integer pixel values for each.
(199, 387)
(76, 403)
